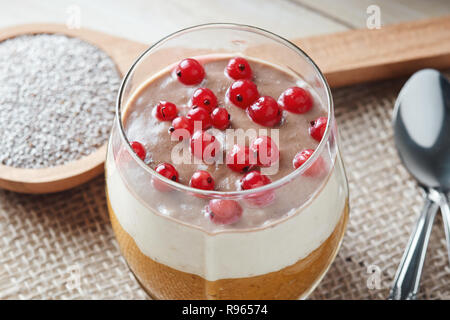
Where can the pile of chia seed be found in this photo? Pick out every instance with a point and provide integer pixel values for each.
(57, 97)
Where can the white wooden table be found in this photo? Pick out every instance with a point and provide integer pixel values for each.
(149, 20)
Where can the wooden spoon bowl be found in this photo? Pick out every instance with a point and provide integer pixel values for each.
(52, 179)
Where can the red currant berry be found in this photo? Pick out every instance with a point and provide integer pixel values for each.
(190, 72)
(165, 111)
(265, 111)
(198, 114)
(296, 100)
(254, 180)
(315, 169)
(224, 211)
(239, 68)
(240, 159)
(139, 149)
(317, 128)
(204, 146)
(202, 180)
(205, 98)
(266, 151)
(182, 128)
(243, 93)
(166, 170)
(220, 118)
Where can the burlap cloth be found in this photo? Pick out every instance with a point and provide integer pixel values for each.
(61, 246)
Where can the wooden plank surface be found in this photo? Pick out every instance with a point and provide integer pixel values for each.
(149, 20)
(353, 13)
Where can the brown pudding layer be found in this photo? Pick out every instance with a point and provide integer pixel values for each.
(292, 282)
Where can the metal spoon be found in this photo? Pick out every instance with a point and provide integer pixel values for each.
(422, 136)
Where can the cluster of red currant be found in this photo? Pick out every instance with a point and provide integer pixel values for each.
(263, 152)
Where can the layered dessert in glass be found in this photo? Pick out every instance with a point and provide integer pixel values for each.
(224, 178)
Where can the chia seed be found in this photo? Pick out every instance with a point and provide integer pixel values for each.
(57, 97)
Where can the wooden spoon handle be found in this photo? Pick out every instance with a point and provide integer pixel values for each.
(366, 55)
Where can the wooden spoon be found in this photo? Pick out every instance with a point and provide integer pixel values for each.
(345, 58)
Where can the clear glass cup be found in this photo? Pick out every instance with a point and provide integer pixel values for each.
(283, 258)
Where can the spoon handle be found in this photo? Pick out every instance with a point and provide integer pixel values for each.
(407, 278)
(445, 210)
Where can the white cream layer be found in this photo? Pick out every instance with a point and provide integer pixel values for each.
(231, 254)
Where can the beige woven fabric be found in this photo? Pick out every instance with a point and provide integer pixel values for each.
(61, 246)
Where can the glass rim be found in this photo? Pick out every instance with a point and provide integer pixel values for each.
(228, 194)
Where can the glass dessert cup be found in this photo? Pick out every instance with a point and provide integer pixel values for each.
(170, 252)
